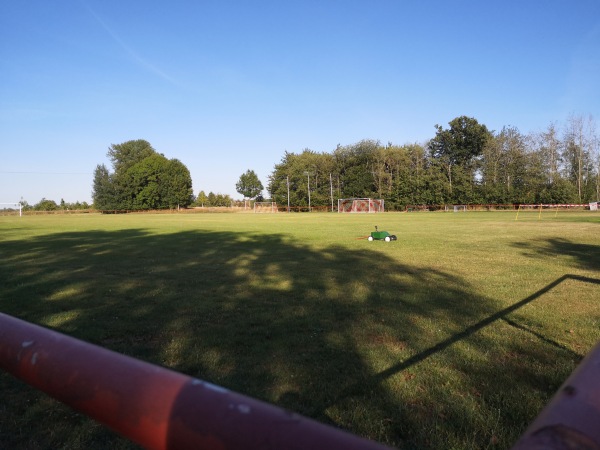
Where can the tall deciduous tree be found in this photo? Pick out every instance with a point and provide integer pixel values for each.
(45, 205)
(125, 155)
(580, 139)
(103, 191)
(249, 185)
(460, 145)
(146, 178)
(202, 199)
(176, 187)
(142, 179)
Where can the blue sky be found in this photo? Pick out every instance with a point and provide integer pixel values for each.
(226, 86)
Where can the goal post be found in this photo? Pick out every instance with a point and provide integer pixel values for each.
(360, 205)
(265, 207)
(15, 204)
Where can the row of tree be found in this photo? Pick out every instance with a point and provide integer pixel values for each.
(464, 163)
(214, 200)
(141, 179)
(50, 205)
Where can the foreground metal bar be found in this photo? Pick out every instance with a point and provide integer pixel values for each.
(153, 406)
(572, 418)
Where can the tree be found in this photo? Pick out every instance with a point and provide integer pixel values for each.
(202, 199)
(214, 200)
(548, 144)
(25, 206)
(125, 155)
(103, 191)
(462, 142)
(249, 186)
(460, 145)
(45, 205)
(142, 179)
(356, 168)
(176, 188)
(146, 178)
(513, 165)
(580, 143)
(299, 172)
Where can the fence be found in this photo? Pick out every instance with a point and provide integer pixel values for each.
(498, 207)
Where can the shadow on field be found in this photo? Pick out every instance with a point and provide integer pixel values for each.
(586, 256)
(332, 334)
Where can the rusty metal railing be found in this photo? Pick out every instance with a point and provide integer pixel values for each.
(572, 418)
(161, 409)
(155, 407)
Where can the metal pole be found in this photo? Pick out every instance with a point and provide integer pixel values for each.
(153, 406)
(331, 190)
(571, 418)
(308, 175)
(288, 191)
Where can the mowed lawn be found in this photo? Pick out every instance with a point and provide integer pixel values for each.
(454, 336)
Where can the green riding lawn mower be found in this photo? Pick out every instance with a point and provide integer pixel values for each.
(381, 236)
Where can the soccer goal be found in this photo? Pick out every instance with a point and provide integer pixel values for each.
(13, 207)
(265, 207)
(360, 205)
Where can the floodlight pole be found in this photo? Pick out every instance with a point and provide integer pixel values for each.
(308, 177)
(331, 190)
(287, 178)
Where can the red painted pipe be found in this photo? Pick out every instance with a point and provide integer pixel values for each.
(572, 418)
(153, 406)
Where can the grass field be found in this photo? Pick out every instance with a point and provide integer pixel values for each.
(454, 337)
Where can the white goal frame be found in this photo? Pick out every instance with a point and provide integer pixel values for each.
(265, 207)
(361, 205)
(15, 204)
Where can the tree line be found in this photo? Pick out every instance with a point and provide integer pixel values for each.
(464, 163)
(50, 205)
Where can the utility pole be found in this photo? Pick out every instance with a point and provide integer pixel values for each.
(331, 190)
(308, 177)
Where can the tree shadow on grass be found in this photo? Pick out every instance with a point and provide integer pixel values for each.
(585, 256)
(341, 336)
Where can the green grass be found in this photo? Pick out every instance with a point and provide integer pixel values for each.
(455, 336)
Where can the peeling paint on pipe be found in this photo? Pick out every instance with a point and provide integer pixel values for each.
(572, 418)
(153, 406)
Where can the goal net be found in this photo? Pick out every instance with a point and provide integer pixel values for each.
(360, 205)
(265, 207)
(12, 207)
